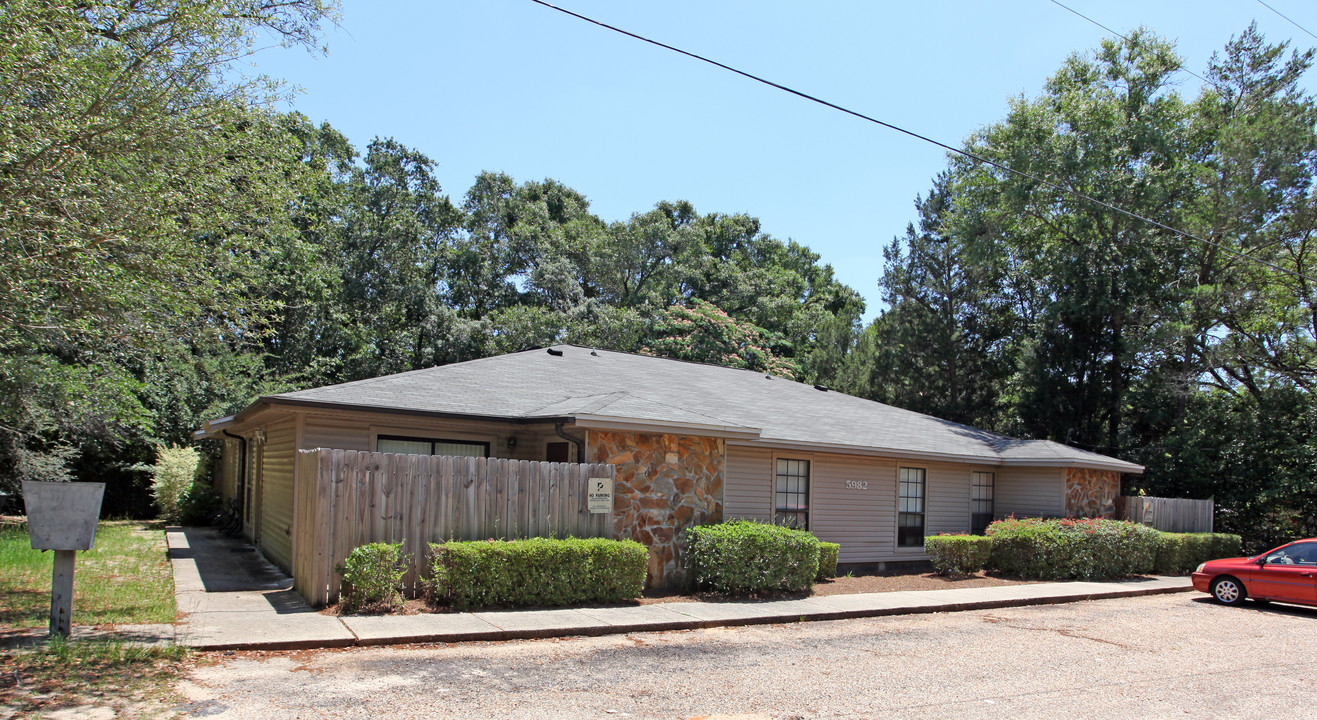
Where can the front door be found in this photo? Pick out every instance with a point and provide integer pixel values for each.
(1288, 574)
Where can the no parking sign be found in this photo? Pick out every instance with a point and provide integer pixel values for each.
(599, 495)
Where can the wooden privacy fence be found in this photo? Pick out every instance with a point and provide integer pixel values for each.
(346, 498)
(1168, 514)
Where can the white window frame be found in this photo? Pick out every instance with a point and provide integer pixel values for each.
(809, 484)
(923, 513)
(992, 496)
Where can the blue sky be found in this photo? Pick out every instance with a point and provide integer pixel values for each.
(510, 86)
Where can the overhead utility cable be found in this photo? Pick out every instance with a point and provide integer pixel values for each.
(1121, 35)
(1287, 17)
(944, 146)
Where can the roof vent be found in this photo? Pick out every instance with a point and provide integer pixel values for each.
(595, 354)
(555, 353)
(824, 388)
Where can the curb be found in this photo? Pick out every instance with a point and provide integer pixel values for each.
(693, 624)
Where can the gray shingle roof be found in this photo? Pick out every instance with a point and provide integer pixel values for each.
(601, 384)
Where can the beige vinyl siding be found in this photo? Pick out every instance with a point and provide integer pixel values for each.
(357, 431)
(948, 507)
(748, 484)
(1030, 492)
(251, 502)
(861, 519)
(230, 461)
(277, 467)
(338, 433)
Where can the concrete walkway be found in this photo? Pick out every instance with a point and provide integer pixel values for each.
(234, 600)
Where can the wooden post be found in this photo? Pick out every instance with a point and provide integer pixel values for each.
(61, 593)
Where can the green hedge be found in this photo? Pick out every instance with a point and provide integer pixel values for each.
(537, 571)
(958, 554)
(1179, 553)
(743, 557)
(828, 553)
(373, 578)
(1071, 549)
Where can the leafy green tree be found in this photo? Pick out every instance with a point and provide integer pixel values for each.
(1256, 200)
(1097, 287)
(701, 332)
(947, 344)
(136, 175)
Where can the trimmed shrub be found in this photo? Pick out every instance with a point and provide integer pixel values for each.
(173, 473)
(1179, 553)
(537, 571)
(743, 557)
(958, 554)
(373, 574)
(828, 553)
(1071, 549)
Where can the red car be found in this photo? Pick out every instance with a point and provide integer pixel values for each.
(1286, 574)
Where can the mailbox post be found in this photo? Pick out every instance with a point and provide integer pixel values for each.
(62, 517)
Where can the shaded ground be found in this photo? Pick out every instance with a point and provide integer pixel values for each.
(1152, 657)
(90, 679)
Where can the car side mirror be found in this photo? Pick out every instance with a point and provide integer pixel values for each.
(1262, 560)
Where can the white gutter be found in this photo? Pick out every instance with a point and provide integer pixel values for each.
(211, 428)
(871, 451)
(612, 422)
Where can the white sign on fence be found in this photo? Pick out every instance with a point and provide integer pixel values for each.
(599, 498)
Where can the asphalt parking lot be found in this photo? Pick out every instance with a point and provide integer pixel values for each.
(1161, 656)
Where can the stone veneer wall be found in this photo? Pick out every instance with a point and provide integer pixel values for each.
(1091, 493)
(665, 483)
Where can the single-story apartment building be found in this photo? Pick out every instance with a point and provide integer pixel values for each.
(692, 444)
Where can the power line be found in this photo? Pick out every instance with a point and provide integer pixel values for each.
(1095, 22)
(944, 146)
(1287, 17)
(1122, 36)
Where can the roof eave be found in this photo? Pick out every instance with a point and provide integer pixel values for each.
(213, 428)
(614, 422)
(872, 451)
(416, 412)
(1087, 463)
(875, 451)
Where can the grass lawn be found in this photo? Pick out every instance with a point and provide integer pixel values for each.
(127, 578)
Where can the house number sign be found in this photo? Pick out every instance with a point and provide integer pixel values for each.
(857, 484)
(599, 495)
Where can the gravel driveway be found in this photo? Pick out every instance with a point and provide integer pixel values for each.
(1163, 656)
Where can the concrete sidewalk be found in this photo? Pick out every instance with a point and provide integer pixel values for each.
(235, 600)
(232, 598)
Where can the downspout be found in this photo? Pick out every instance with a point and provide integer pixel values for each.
(242, 472)
(578, 442)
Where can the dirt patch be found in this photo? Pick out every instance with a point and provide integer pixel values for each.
(847, 585)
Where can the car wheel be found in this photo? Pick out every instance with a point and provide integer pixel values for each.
(1228, 590)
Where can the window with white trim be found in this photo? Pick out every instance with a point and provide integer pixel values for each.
(791, 494)
(910, 508)
(427, 446)
(980, 500)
